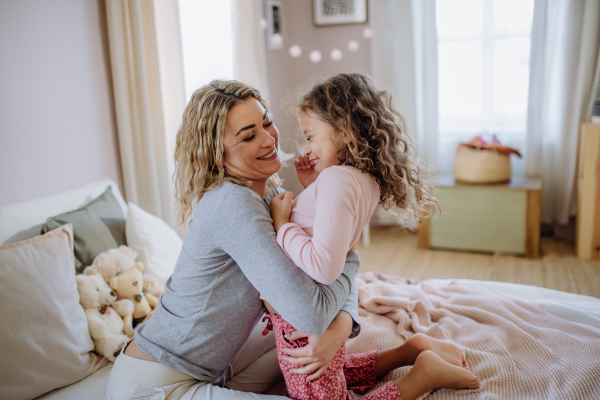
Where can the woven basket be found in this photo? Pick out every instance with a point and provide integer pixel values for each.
(481, 166)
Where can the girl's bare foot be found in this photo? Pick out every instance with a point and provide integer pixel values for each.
(448, 351)
(407, 354)
(432, 372)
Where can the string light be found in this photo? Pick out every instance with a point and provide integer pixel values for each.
(315, 56)
(295, 51)
(336, 54)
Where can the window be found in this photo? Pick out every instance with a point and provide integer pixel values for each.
(483, 72)
(206, 37)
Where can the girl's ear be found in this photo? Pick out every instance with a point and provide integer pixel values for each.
(345, 138)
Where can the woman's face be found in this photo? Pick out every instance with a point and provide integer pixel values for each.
(251, 142)
(320, 144)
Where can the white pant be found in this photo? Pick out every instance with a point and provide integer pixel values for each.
(254, 369)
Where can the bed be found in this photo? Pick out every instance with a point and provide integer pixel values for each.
(581, 310)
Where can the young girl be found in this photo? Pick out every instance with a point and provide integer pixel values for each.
(358, 155)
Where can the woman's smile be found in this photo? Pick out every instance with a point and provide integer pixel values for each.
(270, 156)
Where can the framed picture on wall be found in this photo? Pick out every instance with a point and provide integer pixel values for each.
(274, 19)
(339, 12)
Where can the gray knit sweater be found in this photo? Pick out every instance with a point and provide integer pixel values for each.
(211, 302)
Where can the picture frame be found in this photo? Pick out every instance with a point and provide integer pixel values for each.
(274, 14)
(339, 12)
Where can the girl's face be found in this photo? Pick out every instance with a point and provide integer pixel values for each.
(321, 144)
(251, 142)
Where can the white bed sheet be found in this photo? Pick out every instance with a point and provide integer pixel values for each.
(582, 310)
(91, 388)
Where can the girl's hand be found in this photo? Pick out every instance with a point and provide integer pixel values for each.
(281, 207)
(316, 356)
(305, 170)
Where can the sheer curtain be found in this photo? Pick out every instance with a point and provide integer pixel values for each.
(404, 60)
(147, 75)
(249, 53)
(564, 52)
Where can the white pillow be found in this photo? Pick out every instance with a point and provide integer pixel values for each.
(44, 338)
(157, 244)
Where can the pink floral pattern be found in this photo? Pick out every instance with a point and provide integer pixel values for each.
(354, 371)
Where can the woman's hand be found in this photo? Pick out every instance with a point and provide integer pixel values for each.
(281, 207)
(315, 357)
(305, 170)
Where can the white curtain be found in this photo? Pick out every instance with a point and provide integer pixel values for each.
(564, 50)
(404, 61)
(149, 93)
(249, 53)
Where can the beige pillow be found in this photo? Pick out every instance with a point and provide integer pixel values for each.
(157, 244)
(44, 338)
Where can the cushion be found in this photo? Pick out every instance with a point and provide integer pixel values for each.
(98, 226)
(44, 337)
(157, 244)
(29, 213)
(25, 234)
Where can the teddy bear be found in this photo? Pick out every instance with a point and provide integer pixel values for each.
(130, 285)
(112, 262)
(152, 285)
(107, 318)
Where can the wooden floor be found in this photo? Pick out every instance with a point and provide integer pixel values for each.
(394, 251)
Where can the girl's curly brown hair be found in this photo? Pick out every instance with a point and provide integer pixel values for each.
(376, 139)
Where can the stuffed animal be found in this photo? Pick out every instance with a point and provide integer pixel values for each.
(112, 262)
(107, 318)
(152, 285)
(130, 285)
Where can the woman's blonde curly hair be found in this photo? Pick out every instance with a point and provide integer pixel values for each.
(376, 139)
(199, 149)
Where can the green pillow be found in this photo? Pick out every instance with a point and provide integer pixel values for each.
(24, 235)
(97, 227)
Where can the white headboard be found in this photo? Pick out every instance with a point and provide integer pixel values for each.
(20, 216)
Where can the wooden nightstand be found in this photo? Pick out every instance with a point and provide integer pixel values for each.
(503, 218)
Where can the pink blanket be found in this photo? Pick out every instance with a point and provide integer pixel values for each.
(518, 351)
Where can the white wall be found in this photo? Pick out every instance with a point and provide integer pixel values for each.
(57, 125)
(287, 74)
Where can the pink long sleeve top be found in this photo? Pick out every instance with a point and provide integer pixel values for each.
(327, 219)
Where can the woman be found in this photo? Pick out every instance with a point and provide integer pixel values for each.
(226, 160)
